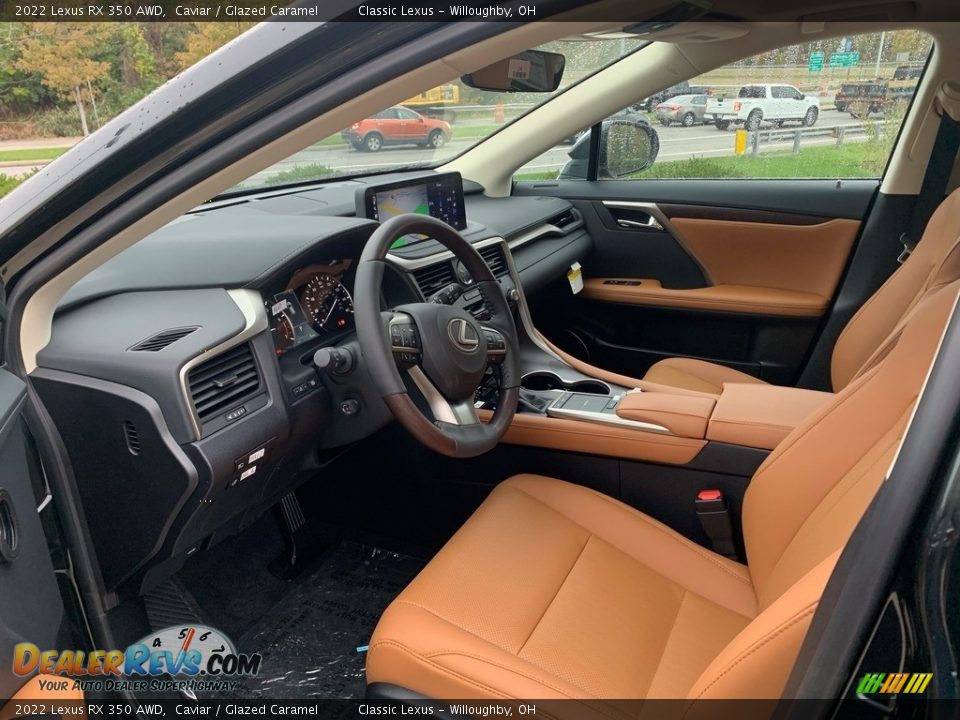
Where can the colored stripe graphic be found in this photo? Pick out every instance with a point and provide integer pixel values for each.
(894, 683)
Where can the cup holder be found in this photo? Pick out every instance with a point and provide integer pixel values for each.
(544, 380)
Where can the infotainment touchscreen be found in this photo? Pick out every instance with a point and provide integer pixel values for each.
(440, 196)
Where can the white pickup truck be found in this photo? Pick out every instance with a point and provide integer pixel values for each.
(763, 103)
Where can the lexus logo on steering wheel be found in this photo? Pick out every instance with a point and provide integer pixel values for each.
(463, 334)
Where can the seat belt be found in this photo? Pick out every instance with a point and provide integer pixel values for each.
(939, 169)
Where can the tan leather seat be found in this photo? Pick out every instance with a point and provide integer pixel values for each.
(552, 590)
(872, 330)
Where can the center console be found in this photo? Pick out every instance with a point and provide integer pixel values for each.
(745, 414)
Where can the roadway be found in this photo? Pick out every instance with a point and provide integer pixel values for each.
(676, 143)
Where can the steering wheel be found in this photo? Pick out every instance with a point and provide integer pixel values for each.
(443, 349)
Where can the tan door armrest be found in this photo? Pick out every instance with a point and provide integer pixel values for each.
(682, 415)
(761, 415)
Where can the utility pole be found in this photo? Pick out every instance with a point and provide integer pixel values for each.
(876, 69)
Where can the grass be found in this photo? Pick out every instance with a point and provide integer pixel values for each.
(853, 160)
(331, 140)
(300, 173)
(8, 183)
(474, 132)
(28, 154)
(545, 175)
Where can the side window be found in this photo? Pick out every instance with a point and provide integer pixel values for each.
(388, 114)
(849, 96)
(405, 114)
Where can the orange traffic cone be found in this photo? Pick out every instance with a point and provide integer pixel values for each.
(498, 115)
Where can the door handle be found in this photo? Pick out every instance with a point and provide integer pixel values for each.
(631, 215)
(650, 224)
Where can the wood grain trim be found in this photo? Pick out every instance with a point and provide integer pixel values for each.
(745, 299)
(594, 439)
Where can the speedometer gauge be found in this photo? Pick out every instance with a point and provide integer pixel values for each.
(327, 303)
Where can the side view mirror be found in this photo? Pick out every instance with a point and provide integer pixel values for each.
(529, 71)
(628, 145)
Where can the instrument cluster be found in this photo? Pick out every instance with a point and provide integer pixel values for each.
(315, 304)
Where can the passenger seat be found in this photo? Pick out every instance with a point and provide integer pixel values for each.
(874, 329)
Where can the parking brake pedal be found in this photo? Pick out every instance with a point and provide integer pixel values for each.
(302, 543)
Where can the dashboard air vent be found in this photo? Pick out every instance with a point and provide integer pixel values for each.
(224, 382)
(566, 218)
(493, 257)
(434, 278)
(162, 339)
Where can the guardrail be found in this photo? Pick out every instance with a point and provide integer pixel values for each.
(753, 140)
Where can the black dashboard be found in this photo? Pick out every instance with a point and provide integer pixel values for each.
(193, 353)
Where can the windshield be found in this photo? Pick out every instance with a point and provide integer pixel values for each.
(436, 125)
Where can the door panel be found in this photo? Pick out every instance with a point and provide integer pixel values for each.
(744, 299)
(690, 269)
(798, 257)
(30, 605)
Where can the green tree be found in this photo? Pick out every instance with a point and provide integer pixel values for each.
(208, 37)
(63, 56)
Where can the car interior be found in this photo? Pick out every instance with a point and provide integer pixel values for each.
(560, 439)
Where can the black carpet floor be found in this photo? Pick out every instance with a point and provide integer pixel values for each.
(313, 637)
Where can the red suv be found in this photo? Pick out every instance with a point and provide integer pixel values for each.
(397, 126)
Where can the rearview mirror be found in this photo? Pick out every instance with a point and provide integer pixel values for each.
(529, 71)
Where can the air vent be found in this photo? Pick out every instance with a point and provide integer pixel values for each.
(132, 437)
(223, 383)
(493, 257)
(163, 339)
(434, 278)
(564, 219)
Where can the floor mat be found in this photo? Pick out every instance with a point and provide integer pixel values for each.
(231, 582)
(310, 639)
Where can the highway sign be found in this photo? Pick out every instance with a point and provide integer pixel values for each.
(844, 59)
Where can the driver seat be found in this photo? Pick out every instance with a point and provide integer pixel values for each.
(554, 591)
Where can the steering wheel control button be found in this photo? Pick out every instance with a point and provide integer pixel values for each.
(496, 345)
(405, 341)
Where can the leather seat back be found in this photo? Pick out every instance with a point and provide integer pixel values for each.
(874, 329)
(808, 496)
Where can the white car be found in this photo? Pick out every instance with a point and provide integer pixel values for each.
(758, 103)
